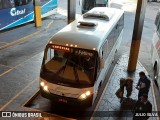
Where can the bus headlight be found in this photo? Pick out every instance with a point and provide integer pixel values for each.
(85, 95)
(46, 88)
(42, 84)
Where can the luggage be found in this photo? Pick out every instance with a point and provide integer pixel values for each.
(119, 93)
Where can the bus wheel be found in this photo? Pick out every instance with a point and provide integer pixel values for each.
(155, 74)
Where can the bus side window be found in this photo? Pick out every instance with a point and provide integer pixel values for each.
(49, 55)
(1, 5)
(22, 2)
(157, 20)
(18, 2)
(158, 31)
(105, 50)
(6, 4)
(25, 2)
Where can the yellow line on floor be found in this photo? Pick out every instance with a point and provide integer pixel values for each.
(4, 42)
(6, 66)
(5, 72)
(26, 60)
(18, 94)
(25, 37)
(11, 68)
(48, 25)
(19, 40)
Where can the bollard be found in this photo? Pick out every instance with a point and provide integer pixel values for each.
(37, 13)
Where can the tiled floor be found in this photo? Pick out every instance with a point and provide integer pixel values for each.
(110, 107)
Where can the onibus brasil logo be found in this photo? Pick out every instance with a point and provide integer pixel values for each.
(15, 12)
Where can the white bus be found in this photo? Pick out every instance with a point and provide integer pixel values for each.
(155, 50)
(77, 58)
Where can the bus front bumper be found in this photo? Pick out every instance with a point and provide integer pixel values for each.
(67, 100)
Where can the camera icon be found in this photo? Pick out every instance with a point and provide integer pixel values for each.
(6, 114)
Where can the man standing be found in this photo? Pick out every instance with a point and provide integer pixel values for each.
(143, 84)
(142, 107)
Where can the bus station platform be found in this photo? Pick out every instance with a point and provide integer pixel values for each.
(109, 106)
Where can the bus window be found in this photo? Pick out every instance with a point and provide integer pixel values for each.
(157, 20)
(18, 2)
(1, 6)
(71, 67)
(158, 30)
(105, 50)
(6, 4)
(22, 2)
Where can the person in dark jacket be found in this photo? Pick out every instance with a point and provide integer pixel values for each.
(122, 85)
(142, 107)
(143, 84)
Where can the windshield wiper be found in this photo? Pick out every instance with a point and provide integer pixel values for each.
(63, 67)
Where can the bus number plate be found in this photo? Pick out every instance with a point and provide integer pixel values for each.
(62, 100)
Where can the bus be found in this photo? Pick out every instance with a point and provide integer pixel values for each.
(17, 12)
(77, 58)
(155, 50)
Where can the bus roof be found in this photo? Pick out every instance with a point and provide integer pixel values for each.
(88, 37)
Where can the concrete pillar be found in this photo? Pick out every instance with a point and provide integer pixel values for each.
(71, 10)
(137, 33)
(37, 13)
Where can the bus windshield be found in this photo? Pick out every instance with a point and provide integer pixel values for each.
(74, 68)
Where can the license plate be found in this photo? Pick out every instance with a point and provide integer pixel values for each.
(62, 100)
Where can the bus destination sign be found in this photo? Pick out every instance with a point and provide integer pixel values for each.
(83, 53)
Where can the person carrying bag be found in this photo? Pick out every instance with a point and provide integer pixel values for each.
(119, 93)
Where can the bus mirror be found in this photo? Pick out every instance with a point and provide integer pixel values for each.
(102, 63)
(45, 57)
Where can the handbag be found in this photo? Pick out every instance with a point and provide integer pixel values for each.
(119, 93)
